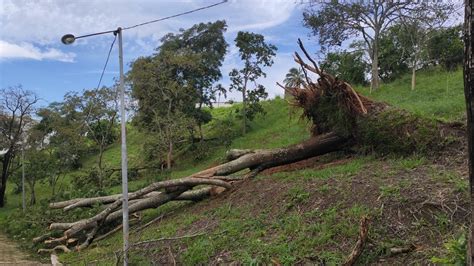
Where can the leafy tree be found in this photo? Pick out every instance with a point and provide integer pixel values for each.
(337, 21)
(164, 105)
(206, 41)
(66, 142)
(255, 54)
(65, 131)
(445, 47)
(39, 165)
(348, 66)
(392, 57)
(99, 108)
(294, 78)
(414, 33)
(16, 108)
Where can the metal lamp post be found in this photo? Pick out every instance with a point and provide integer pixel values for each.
(23, 198)
(69, 39)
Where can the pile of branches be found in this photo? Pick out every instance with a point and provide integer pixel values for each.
(341, 117)
(80, 234)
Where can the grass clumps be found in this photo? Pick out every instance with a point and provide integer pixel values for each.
(394, 131)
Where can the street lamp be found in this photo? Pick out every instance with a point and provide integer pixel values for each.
(69, 39)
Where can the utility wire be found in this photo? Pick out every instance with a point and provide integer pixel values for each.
(106, 62)
(177, 15)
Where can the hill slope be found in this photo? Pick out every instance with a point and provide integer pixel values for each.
(309, 212)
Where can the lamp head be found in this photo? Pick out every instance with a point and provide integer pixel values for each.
(68, 39)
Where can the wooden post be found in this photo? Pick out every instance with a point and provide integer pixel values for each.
(469, 94)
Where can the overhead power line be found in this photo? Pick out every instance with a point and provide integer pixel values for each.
(176, 15)
(106, 62)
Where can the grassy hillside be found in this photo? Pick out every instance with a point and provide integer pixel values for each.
(438, 94)
(308, 212)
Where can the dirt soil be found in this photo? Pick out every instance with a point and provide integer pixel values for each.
(11, 255)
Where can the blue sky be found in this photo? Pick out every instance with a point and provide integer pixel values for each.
(32, 55)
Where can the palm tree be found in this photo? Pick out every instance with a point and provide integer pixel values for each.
(293, 79)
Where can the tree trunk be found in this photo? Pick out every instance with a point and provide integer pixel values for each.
(413, 78)
(469, 95)
(33, 194)
(54, 181)
(201, 135)
(244, 107)
(169, 157)
(101, 172)
(374, 85)
(3, 185)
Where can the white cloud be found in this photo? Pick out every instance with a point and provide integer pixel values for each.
(258, 15)
(46, 21)
(29, 51)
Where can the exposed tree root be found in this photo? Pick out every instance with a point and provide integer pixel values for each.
(359, 246)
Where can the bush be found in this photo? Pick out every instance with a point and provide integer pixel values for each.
(456, 250)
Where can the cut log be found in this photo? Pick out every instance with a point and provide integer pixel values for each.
(263, 159)
(193, 195)
(62, 248)
(99, 218)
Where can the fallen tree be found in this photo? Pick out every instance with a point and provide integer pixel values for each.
(341, 118)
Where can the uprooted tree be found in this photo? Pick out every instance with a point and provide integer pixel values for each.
(341, 118)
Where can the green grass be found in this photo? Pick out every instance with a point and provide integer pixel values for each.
(344, 170)
(438, 94)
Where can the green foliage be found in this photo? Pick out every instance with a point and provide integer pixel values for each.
(340, 172)
(393, 60)
(348, 66)
(68, 142)
(254, 238)
(255, 54)
(335, 22)
(294, 78)
(445, 47)
(456, 250)
(394, 131)
(174, 85)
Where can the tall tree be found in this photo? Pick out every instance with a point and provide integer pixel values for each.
(16, 107)
(445, 47)
(255, 54)
(99, 110)
(337, 21)
(165, 104)
(66, 141)
(207, 41)
(393, 59)
(294, 78)
(97, 113)
(415, 31)
(39, 166)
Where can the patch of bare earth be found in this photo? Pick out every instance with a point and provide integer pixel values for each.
(11, 255)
